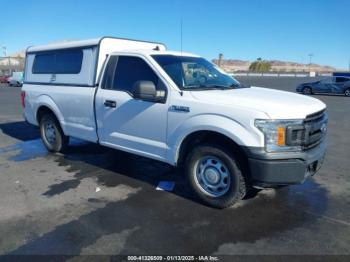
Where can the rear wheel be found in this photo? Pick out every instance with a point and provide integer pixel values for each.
(215, 177)
(52, 134)
(347, 92)
(307, 91)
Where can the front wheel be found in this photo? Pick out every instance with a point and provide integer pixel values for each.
(52, 134)
(307, 91)
(215, 177)
(347, 92)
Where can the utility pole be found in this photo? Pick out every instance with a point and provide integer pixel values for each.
(4, 50)
(181, 35)
(221, 57)
(8, 57)
(310, 61)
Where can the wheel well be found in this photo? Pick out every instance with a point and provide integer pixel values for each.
(203, 137)
(43, 110)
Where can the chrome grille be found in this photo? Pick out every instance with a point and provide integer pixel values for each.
(315, 116)
(315, 129)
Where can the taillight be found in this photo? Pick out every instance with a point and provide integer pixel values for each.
(23, 96)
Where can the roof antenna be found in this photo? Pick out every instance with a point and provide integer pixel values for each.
(181, 35)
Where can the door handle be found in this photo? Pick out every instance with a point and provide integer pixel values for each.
(110, 103)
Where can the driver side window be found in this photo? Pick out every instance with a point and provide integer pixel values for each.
(327, 80)
(341, 79)
(130, 70)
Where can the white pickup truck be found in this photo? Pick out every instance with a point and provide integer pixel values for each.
(177, 108)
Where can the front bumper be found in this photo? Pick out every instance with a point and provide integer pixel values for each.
(289, 168)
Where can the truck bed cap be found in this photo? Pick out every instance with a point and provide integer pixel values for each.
(79, 43)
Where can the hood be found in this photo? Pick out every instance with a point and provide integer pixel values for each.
(309, 83)
(276, 104)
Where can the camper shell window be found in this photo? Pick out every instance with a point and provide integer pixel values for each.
(76, 63)
(58, 62)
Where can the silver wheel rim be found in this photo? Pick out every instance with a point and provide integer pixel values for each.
(347, 92)
(49, 132)
(307, 91)
(212, 176)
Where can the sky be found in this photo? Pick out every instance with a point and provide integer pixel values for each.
(240, 29)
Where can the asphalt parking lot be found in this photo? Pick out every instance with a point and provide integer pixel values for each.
(94, 200)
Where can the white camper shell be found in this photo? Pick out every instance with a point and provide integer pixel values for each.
(63, 77)
(52, 64)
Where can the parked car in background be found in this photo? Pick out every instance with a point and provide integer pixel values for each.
(16, 79)
(331, 85)
(4, 79)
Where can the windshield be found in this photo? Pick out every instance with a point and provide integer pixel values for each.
(195, 73)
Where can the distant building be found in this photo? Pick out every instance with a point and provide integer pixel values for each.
(13, 61)
(11, 64)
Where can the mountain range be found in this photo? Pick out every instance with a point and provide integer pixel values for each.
(234, 65)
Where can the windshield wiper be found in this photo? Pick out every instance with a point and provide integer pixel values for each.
(210, 87)
(233, 86)
(200, 87)
(221, 87)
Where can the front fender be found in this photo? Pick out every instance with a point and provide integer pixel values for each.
(239, 133)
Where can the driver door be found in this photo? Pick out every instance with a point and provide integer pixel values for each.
(127, 123)
(325, 85)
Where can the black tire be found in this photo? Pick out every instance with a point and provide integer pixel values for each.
(59, 141)
(237, 188)
(307, 90)
(347, 92)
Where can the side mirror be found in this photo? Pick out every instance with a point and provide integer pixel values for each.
(146, 90)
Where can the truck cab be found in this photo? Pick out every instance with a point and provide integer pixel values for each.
(176, 108)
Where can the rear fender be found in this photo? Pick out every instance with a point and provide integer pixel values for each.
(47, 101)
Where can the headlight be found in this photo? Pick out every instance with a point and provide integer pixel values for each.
(282, 135)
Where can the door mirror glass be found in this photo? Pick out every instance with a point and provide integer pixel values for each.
(146, 90)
